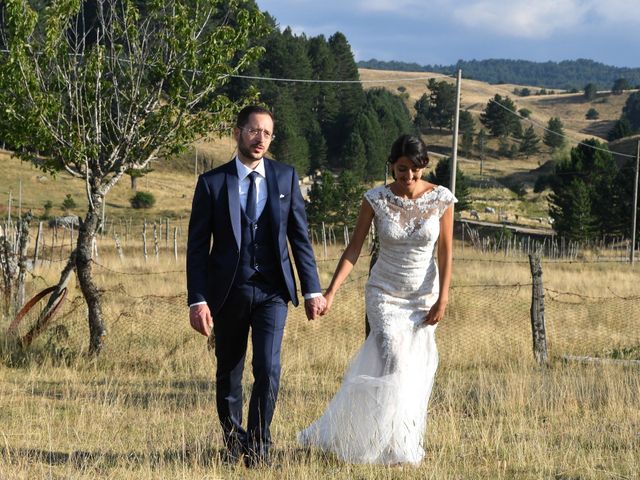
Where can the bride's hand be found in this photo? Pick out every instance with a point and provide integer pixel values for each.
(328, 296)
(436, 313)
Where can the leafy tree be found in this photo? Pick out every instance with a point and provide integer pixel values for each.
(554, 135)
(590, 91)
(592, 114)
(620, 85)
(128, 89)
(529, 144)
(631, 110)
(498, 116)
(136, 173)
(441, 175)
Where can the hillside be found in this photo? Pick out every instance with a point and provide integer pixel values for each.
(500, 172)
(559, 75)
(172, 181)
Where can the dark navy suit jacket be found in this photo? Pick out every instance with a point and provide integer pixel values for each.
(213, 246)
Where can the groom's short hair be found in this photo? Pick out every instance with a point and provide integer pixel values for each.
(246, 112)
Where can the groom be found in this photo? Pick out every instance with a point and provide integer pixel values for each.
(240, 276)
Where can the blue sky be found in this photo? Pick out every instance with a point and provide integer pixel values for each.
(443, 31)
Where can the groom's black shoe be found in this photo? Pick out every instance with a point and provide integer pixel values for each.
(257, 457)
(233, 452)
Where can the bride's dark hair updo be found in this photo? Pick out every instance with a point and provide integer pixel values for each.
(411, 147)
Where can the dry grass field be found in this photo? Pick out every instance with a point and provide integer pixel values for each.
(145, 409)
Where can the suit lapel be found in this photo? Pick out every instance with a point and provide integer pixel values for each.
(233, 193)
(273, 203)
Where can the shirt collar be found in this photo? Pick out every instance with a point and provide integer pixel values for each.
(244, 171)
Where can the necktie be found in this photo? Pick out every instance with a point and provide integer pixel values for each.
(250, 208)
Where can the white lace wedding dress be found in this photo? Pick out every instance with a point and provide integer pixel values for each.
(379, 413)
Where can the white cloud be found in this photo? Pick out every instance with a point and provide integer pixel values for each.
(621, 12)
(400, 7)
(523, 18)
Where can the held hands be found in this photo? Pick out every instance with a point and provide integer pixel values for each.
(436, 313)
(314, 307)
(201, 319)
(328, 295)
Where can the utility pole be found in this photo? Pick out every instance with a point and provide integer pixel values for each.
(454, 149)
(635, 207)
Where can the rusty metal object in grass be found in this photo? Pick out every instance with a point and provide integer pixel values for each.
(43, 319)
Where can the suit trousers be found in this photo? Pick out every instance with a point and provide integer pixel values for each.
(259, 308)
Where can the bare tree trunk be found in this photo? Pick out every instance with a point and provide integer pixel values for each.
(22, 247)
(87, 231)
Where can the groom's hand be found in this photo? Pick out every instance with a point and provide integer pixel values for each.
(201, 319)
(313, 307)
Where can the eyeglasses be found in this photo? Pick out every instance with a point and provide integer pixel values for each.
(254, 132)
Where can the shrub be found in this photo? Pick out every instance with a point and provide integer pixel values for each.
(592, 114)
(68, 203)
(142, 200)
(48, 205)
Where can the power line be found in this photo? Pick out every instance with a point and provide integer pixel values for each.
(408, 79)
(310, 80)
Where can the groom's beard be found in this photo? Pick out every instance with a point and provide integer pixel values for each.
(246, 150)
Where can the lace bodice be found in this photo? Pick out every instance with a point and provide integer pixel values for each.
(407, 230)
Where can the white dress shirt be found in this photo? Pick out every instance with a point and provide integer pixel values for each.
(244, 182)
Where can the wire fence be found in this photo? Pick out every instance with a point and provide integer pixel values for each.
(486, 323)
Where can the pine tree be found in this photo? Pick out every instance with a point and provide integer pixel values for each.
(499, 118)
(571, 211)
(590, 91)
(355, 155)
(529, 144)
(443, 103)
(583, 188)
(631, 111)
(622, 128)
(422, 119)
(350, 97)
(441, 175)
(466, 121)
(481, 143)
(554, 136)
(322, 205)
(290, 145)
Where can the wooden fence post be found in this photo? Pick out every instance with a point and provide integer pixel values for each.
(118, 246)
(156, 247)
(36, 250)
(175, 243)
(144, 239)
(537, 310)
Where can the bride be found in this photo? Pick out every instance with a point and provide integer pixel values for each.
(379, 413)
